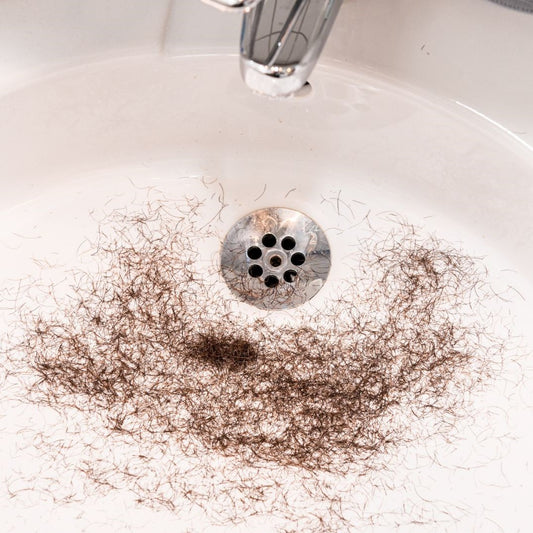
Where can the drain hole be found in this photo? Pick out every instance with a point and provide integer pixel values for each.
(288, 243)
(290, 275)
(298, 259)
(254, 252)
(271, 281)
(255, 271)
(269, 240)
(275, 260)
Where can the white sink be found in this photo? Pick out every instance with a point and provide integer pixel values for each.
(365, 144)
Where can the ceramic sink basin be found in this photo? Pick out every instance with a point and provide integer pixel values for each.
(380, 137)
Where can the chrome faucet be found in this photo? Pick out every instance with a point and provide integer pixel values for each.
(281, 40)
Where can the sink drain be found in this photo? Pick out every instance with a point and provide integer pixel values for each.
(275, 258)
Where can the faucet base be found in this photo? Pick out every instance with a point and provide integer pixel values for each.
(273, 81)
(232, 5)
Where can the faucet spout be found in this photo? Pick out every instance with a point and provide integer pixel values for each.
(281, 41)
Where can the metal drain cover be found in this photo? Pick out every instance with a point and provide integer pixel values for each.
(275, 258)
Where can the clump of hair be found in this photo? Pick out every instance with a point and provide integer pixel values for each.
(153, 345)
